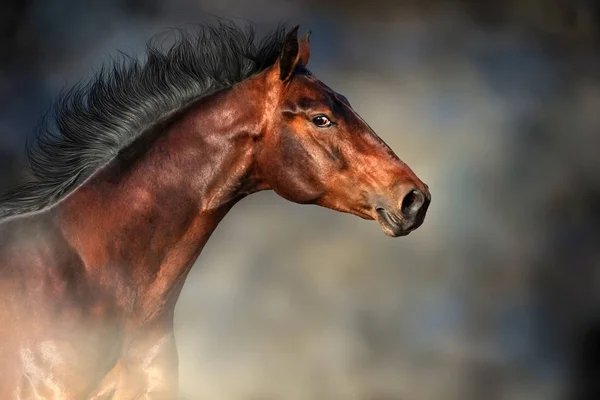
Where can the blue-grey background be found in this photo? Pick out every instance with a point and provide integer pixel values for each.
(496, 105)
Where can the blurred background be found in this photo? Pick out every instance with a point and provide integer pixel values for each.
(495, 104)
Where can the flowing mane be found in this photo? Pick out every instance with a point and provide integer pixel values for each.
(93, 121)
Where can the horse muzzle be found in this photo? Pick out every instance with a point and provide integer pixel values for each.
(408, 216)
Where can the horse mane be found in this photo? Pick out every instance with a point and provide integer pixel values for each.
(94, 120)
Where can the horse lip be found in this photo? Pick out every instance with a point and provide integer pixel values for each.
(392, 224)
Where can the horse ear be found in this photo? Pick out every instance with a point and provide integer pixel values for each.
(294, 52)
(290, 54)
(304, 49)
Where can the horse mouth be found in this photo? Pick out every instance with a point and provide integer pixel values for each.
(394, 225)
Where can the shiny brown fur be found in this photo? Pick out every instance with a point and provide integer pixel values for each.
(88, 286)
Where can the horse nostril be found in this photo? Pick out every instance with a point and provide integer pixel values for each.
(412, 203)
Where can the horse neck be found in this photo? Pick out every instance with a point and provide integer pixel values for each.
(140, 223)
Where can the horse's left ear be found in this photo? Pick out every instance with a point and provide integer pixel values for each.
(293, 52)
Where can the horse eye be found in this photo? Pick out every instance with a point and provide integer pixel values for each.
(322, 121)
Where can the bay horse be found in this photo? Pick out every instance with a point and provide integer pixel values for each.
(132, 173)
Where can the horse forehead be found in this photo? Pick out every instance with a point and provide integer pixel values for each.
(312, 89)
(330, 94)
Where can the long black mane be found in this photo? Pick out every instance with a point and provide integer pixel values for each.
(94, 120)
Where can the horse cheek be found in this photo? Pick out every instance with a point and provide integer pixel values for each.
(293, 177)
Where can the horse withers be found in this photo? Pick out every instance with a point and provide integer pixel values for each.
(132, 175)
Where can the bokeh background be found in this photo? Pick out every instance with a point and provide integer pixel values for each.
(495, 104)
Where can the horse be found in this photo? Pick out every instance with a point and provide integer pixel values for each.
(133, 170)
